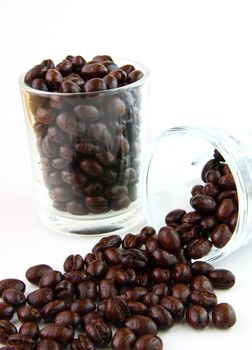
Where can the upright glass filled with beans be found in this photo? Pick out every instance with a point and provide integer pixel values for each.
(85, 118)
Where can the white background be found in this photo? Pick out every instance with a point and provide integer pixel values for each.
(200, 57)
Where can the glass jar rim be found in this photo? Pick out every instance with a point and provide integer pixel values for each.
(23, 86)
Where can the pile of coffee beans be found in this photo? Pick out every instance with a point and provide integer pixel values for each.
(88, 138)
(215, 214)
(138, 285)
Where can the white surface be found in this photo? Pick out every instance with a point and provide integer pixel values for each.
(200, 55)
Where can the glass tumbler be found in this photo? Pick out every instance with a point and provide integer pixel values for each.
(86, 155)
(173, 166)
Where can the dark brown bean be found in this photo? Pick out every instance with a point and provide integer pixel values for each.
(208, 223)
(50, 279)
(40, 297)
(151, 298)
(161, 316)
(221, 235)
(6, 311)
(82, 306)
(6, 329)
(210, 165)
(141, 325)
(181, 291)
(227, 182)
(86, 289)
(31, 329)
(61, 334)
(67, 318)
(28, 313)
(82, 343)
(13, 297)
(21, 340)
(182, 273)
(148, 342)
(134, 294)
(197, 248)
(169, 239)
(162, 258)
(191, 217)
(96, 269)
(75, 277)
(161, 289)
(137, 308)
(159, 275)
(174, 216)
(51, 309)
(47, 344)
(174, 306)
(197, 189)
(134, 258)
(203, 298)
(201, 268)
(221, 278)
(93, 70)
(97, 329)
(202, 283)
(123, 338)
(125, 277)
(197, 317)
(73, 263)
(145, 233)
(12, 283)
(223, 316)
(116, 310)
(107, 288)
(53, 78)
(225, 209)
(134, 76)
(203, 204)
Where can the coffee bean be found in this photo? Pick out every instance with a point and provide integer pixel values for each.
(203, 204)
(201, 268)
(211, 190)
(182, 273)
(197, 317)
(17, 340)
(137, 308)
(28, 313)
(202, 283)
(197, 189)
(11, 283)
(64, 67)
(110, 81)
(125, 277)
(50, 279)
(97, 330)
(61, 334)
(29, 329)
(134, 76)
(67, 318)
(6, 329)
(93, 70)
(181, 291)
(161, 316)
(169, 239)
(197, 248)
(82, 343)
(13, 297)
(107, 289)
(6, 311)
(174, 216)
(107, 242)
(47, 344)
(141, 325)
(75, 277)
(227, 182)
(148, 342)
(223, 316)
(120, 75)
(82, 306)
(150, 298)
(134, 294)
(123, 338)
(212, 164)
(160, 289)
(86, 289)
(53, 78)
(73, 263)
(203, 298)
(174, 306)
(221, 278)
(159, 275)
(161, 258)
(51, 309)
(116, 310)
(225, 209)
(221, 235)
(38, 71)
(191, 217)
(208, 223)
(40, 297)
(95, 84)
(213, 176)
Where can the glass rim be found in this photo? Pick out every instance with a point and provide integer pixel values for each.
(24, 87)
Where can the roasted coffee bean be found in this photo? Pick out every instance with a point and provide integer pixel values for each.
(29, 329)
(61, 334)
(107, 289)
(40, 297)
(152, 244)
(17, 340)
(159, 275)
(203, 298)
(221, 235)
(128, 68)
(211, 190)
(11, 283)
(212, 164)
(87, 112)
(169, 239)
(6, 329)
(191, 217)
(50, 279)
(64, 67)
(137, 308)
(86, 289)
(134, 258)
(119, 204)
(110, 81)
(225, 209)
(134, 76)
(174, 216)
(223, 316)
(60, 194)
(197, 317)
(75, 277)
(73, 263)
(53, 78)
(115, 192)
(181, 291)
(38, 71)
(100, 133)
(213, 176)
(51, 309)
(201, 268)
(96, 269)
(202, 283)
(150, 298)
(107, 242)
(161, 258)
(233, 221)
(113, 256)
(44, 115)
(197, 189)
(208, 223)
(67, 318)
(121, 145)
(47, 344)
(123, 338)
(134, 294)
(6, 311)
(120, 75)
(93, 70)
(174, 306)
(148, 342)
(28, 313)
(116, 310)
(68, 86)
(161, 289)
(203, 204)
(13, 297)
(182, 273)
(116, 107)
(141, 325)
(82, 343)
(227, 182)
(91, 167)
(228, 194)
(125, 277)
(82, 306)
(197, 248)
(221, 278)
(97, 330)
(161, 316)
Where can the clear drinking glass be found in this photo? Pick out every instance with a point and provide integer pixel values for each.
(86, 155)
(173, 166)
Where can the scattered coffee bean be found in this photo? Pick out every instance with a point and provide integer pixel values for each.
(197, 317)
(223, 316)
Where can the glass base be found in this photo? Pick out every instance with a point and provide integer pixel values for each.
(93, 225)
